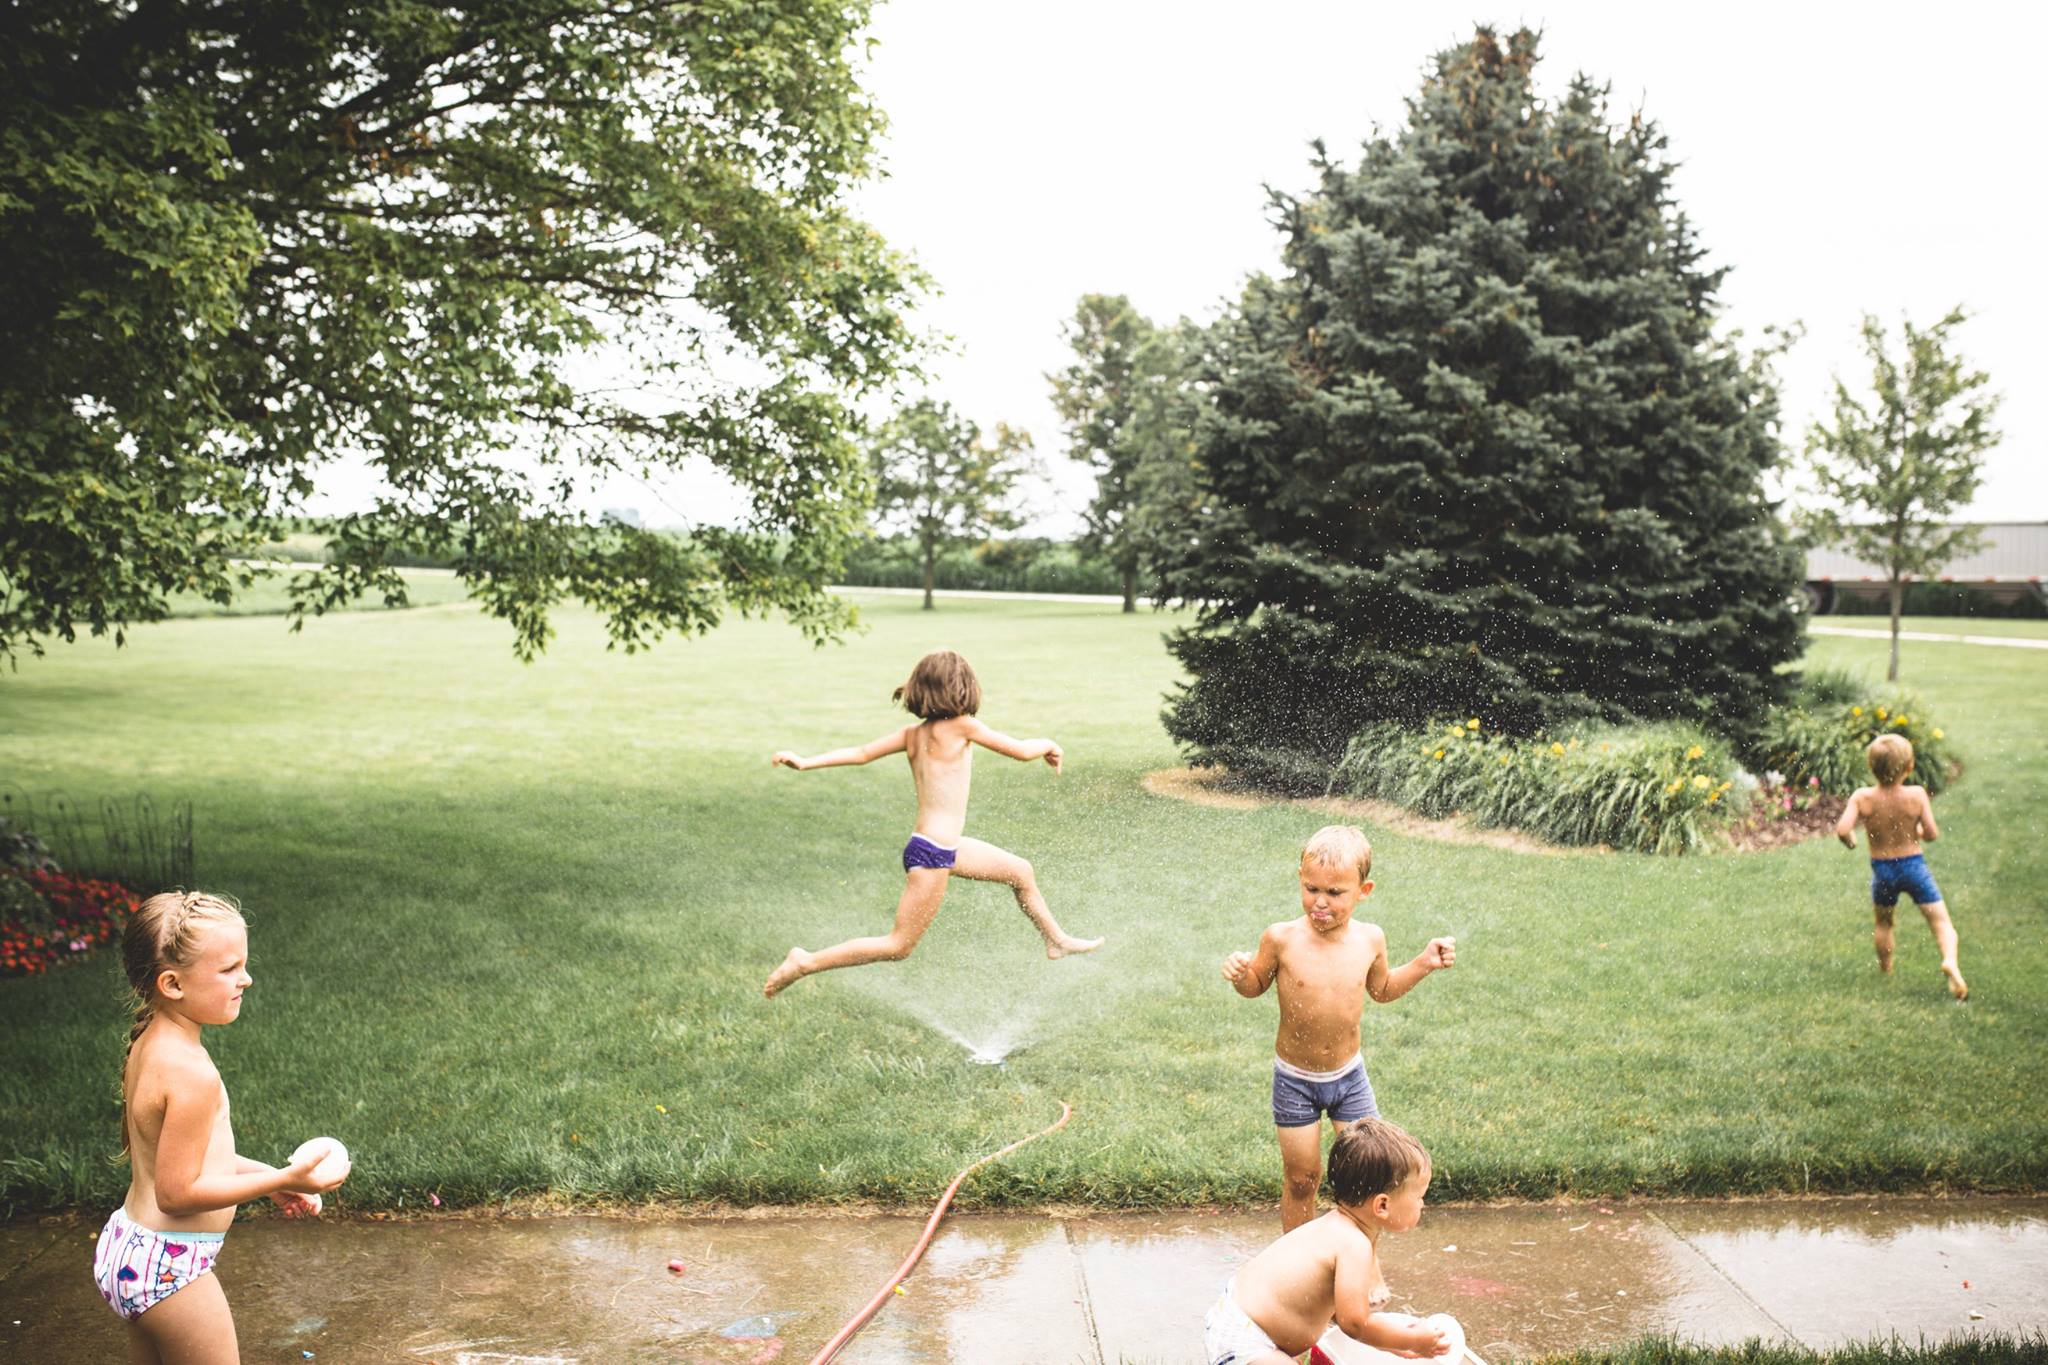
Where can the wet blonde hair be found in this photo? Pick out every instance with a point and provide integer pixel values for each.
(1890, 758)
(1373, 1157)
(163, 935)
(1339, 846)
(942, 685)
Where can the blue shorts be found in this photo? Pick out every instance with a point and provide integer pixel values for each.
(922, 852)
(1890, 876)
(1301, 1098)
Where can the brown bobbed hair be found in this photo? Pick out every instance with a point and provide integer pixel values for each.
(942, 685)
(1890, 758)
(1373, 1157)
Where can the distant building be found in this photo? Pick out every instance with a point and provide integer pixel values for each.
(620, 516)
(2012, 565)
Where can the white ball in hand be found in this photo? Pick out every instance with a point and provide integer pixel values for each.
(333, 1164)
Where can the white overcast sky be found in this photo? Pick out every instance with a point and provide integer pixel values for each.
(1839, 159)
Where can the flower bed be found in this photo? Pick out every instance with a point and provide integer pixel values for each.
(1821, 736)
(1647, 789)
(48, 917)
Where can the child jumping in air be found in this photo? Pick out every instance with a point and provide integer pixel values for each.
(1326, 965)
(1898, 818)
(1284, 1300)
(187, 957)
(944, 695)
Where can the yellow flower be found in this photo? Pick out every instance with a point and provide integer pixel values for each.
(1937, 734)
(1855, 710)
(1439, 755)
(1503, 760)
(1472, 724)
(1695, 752)
(1880, 713)
(1702, 781)
(1905, 719)
(1713, 797)
(1556, 748)
(1675, 785)
(661, 1109)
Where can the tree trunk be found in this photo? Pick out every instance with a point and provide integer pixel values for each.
(1898, 599)
(1130, 589)
(929, 556)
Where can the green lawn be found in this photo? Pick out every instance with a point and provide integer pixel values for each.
(271, 595)
(2011, 627)
(501, 913)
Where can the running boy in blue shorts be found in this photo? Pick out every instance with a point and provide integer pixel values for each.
(1326, 964)
(1898, 818)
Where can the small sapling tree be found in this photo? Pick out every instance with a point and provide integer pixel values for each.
(939, 480)
(1895, 467)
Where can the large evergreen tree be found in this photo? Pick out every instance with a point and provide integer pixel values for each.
(1479, 451)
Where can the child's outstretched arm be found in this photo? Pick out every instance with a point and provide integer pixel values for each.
(1251, 973)
(891, 743)
(1024, 750)
(1385, 984)
(1845, 828)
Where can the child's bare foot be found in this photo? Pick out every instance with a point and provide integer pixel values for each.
(792, 967)
(1057, 948)
(1957, 987)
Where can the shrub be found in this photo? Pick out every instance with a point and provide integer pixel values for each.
(1019, 564)
(1824, 731)
(23, 848)
(58, 918)
(1647, 789)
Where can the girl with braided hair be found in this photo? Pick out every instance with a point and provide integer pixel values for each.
(187, 958)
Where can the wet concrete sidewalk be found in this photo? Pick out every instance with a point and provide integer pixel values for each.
(1103, 1288)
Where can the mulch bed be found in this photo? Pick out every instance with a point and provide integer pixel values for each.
(1760, 832)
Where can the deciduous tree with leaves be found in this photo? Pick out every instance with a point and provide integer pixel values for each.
(1895, 467)
(239, 242)
(939, 480)
(1129, 404)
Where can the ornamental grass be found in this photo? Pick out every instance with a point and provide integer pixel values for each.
(1646, 789)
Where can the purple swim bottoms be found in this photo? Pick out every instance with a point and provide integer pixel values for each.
(922, 852)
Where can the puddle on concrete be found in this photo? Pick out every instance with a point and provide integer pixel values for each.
(1104, 1288)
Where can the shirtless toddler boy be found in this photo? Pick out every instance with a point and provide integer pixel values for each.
(1284, 1299)
(1898, 818)
(1326, 965)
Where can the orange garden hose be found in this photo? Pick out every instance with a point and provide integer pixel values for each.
(860, 1319)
